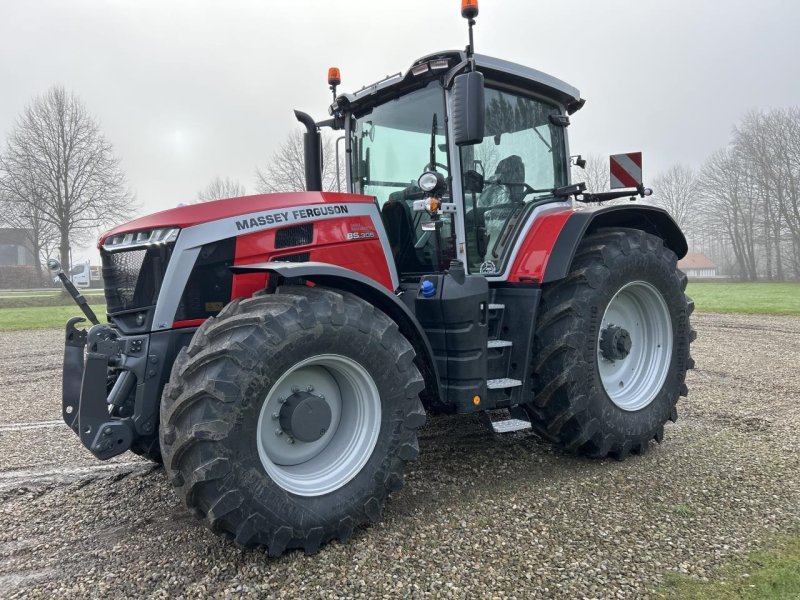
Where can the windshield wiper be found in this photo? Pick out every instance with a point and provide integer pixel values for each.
(434, 127)
(564, 191)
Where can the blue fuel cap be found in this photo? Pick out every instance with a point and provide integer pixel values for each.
(428, 289)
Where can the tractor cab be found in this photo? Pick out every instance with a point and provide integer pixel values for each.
(443, 198)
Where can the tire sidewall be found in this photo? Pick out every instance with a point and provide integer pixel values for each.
(274, 361)
(638, 265)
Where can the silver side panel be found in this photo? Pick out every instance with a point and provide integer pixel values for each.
(456, 193)
(192, 239)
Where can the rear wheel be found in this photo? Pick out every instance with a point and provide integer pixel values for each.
(612, 346)
(289, 418)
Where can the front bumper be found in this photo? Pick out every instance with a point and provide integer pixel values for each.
(109, 418)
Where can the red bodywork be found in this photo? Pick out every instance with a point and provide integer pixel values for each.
(333, 240)
(330, 245)
(536, 247)
(350, 241)
(206, 212)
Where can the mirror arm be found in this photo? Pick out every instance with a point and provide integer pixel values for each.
(451, 74)
(640, 191)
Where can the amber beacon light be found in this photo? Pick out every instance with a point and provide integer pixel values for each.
(469, 9)
(334, 79)
(334, 76)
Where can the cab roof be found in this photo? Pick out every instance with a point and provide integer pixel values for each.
(450, 63)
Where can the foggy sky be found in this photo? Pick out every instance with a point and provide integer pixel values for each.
(188, 90)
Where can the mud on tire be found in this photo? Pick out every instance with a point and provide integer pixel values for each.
(210, 414)
(571, 406)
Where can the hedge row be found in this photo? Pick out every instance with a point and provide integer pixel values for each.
(21, 277)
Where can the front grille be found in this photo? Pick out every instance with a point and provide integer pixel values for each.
(132, 278)
(297, 235)
(210, 281)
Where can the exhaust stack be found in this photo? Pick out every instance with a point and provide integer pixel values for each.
(312, 151)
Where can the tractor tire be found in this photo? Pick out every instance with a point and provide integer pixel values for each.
(234, 446)
(611, 346)
(148, 447)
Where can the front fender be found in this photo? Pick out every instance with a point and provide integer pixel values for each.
(583, 222)
(335, 277)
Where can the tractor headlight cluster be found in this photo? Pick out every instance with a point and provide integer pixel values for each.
(141, 239)
(427, 182)
(430, 181)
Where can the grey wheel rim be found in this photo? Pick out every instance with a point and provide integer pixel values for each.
(634, 380)
(321, 466)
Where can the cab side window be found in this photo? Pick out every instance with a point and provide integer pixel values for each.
(521, 160)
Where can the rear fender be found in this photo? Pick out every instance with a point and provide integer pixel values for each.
(582, 223)
(351, 281)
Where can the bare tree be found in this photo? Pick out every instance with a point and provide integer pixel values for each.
(219, 189)
(596, 174)
(769, 143)
(285, 171)
(676, 191)
(731, 207)
(59, 165)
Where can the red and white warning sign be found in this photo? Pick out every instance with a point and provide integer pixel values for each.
(626, 170)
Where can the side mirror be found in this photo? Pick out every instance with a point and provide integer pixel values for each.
(468, 108)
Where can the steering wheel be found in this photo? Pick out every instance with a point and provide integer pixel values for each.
(440, 165)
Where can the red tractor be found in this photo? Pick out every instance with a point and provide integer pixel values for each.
(279, 352)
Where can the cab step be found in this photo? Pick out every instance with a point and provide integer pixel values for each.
(501, 384)
(500, 343)
(510, 425)
(504, 421)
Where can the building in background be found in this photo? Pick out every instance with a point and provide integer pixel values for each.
(697, 264)
(15, 249)
(17, 263)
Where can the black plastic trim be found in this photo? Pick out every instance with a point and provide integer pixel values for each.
(647, 218)
(366, 288)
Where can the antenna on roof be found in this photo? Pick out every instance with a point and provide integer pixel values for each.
(469, 10)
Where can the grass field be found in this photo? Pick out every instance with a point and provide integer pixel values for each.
(750, 298)
(44, 317)
(54, 298)
(772, 574)
(41, 310)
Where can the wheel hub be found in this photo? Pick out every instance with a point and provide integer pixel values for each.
(633, 374)
(305, 417)
(319, 424)
(615, 343)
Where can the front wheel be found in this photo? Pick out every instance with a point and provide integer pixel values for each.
(289, 418)
(611, 347)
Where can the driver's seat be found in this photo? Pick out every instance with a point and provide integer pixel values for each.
(399, 225)
(508, 184)
(503, 197)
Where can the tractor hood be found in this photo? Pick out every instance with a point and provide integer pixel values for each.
(195, 214)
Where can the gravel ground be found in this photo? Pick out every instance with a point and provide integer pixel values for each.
(480, 515)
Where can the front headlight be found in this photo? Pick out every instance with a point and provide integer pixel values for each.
(141, 239)
(429, 181)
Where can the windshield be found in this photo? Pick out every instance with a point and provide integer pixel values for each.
(521, 159)
(391, 146)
